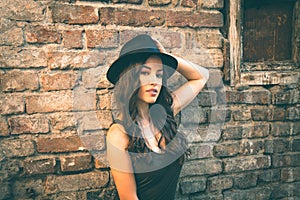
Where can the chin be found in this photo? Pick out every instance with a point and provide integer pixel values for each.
(151, 101)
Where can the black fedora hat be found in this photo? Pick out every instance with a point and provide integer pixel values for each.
(141, 45)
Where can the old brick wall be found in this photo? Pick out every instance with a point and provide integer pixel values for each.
(55, 102)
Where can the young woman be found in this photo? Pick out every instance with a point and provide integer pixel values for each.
(144, 148)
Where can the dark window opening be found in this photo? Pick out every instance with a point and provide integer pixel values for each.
(267, 30)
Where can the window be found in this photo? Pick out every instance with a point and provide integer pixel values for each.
(264, 41)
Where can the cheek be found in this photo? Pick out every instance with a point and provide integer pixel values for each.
(141, 91)
(142, 81)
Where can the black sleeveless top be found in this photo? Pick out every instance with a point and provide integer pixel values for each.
(159, 184)
(156, 179)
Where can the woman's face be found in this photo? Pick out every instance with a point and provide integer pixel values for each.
(151, 76)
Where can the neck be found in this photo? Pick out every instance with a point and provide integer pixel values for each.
(143, 109)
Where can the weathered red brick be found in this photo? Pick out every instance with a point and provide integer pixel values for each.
(49, 102)
(100, 159)
(194, 19)
(209, 58)
(219, 183)
(269, 175)
(91, 77)
(11, 104)
(207, 98)
(241, 114)
(62, 121)
(94, 141)
(277, 114)
(90, 180)
(219, 115)
(128, 1)
(102, 38)
(203, 134)
(76, 162)
(245, 181)
(209, 39)
(104, 101)
(29, 124)
(227, 149)
(281, 129)
(39, 165)
(22, 58)
(280, 145)
(201, 151)
(159, 2)
(4, 131)
(212, 4)
(17, 80)
(290, 174)
(293, 113)
(282, 96)
(194, 184)
(58, 81)
(258, 95)
(74, 14)
(168, 39)
(84, 100)
(285, 160)
(132, 17)
(94, 120)
(72, 39)
(202, 167)
(42, 34)
(75, 60)
(13, 36)
(189, 3)
(17, 147)
(29, 10)
(240, 164)
(232, 133)
(59, 144)
(255, 147)
(107, 16)
(256, 131)
(260, 114)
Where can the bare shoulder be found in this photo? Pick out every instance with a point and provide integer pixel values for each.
(117, 136)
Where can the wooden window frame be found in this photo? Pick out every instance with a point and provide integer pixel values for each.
(258, 73)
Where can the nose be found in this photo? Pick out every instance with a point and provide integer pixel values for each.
(153, 80)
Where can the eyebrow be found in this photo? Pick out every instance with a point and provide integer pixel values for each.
(145, 66)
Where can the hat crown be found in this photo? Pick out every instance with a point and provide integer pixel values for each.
(140, 46)
(141, 43)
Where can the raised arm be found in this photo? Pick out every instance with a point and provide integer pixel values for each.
(120, 163)
(197, 77)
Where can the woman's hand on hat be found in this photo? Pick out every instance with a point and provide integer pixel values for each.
(159, 46)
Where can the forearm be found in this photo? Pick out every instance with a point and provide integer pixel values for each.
(192, 71)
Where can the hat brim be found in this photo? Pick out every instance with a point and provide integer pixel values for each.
(117, 67)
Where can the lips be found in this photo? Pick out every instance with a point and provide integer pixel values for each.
(152, 91)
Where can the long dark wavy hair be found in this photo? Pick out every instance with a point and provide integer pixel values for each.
(126, 96)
